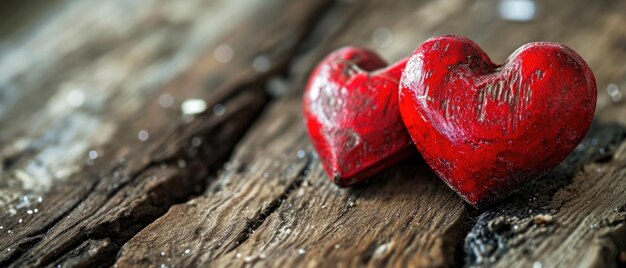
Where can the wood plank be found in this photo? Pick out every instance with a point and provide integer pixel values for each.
(75, 81)
(273, 208)
(405, 218)
(274, 205)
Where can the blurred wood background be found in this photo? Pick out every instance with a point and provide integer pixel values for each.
(168, 133)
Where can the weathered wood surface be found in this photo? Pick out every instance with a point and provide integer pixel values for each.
(72, 88)
(271, 207)
(134, 62)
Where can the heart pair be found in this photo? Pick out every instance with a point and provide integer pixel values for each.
(485, 129)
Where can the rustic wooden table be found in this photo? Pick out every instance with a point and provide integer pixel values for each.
(99, 166)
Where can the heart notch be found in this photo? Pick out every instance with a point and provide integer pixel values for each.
(486, 129)
(352, 117)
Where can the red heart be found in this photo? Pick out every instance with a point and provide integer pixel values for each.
(352, 115)
(487, 129)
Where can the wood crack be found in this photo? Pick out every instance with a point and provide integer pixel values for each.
(104, 80)
(195, 165)
(36, 237)
(255, 222)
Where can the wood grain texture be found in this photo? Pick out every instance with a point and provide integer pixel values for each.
(120, 77)
(266, 242)
(273, 205)
(90, 76)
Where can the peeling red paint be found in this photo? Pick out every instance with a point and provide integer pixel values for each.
(352, 116)
(487, 129)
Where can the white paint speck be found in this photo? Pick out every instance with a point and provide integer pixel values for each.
(187, 251)
(39, 199)
(238, 255)
(382, 37)
(193, 106)
(381, 250)
(517, 10)
(537, 264)
(19, 221)
(93, 154)
(224, 53)
(219, 109)
(261, 63)
(614, 92)
(143, 135)
(301, 154)
(166, 100)
(301, 251)
(36, 210)
(29, 212)
(76, 98)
